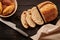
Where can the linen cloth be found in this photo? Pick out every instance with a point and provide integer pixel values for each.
(48, 32)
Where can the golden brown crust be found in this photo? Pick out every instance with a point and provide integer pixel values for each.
(0, 8)
(36, 16)
(8, 10)
(43, 3)
(48, 11)
(7, 2)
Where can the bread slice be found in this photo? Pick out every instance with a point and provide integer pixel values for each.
(48, 11)
(23, 20)
(36, 16)
(29, 19)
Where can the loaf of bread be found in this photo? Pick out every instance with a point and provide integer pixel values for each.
(44, 12)
(36, 16)
(7, 2)
(48, 11)
(29, 19)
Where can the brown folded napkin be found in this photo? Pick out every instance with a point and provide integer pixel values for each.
(48, 32)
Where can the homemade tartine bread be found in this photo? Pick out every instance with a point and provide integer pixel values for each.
(48, 11)
(31, 17)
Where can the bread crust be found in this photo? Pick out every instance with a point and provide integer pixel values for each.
(8, 10)
(0, 8)
(48, 11)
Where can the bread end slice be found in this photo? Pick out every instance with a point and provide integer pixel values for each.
(23, 19)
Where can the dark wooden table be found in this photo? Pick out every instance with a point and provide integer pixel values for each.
(7, 33)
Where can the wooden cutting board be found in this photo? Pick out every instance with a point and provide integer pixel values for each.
(7, 33)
